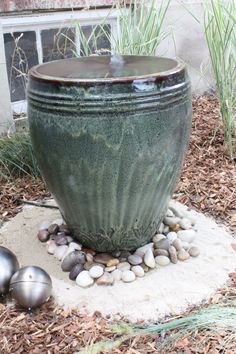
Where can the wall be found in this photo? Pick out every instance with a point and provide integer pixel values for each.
(187, 42)
(37, 5)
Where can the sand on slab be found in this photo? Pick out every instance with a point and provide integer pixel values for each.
(164, 291)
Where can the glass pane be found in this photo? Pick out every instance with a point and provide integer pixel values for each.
(97, 40)
(58, 43)
(21, 55)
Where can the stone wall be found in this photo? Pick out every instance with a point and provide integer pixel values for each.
(7, 6)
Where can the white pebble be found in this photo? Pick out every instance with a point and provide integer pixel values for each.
(186, 246)
(110, 269)
(171, 221)
(162, 260)
(161, 228)
(123, 266)
(138, 271)
(176, 209)
(169, 213)
(128, 276)
(144, 248)
(185, 224)
(96, 272)
(60, 252)
(149, 259)
(158, 237)
(186, 235)
(69, 239)
(75, 246)
(117, 274)
(84, 279)
(171, 236)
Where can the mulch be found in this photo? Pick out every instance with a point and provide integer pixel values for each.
(207, 184)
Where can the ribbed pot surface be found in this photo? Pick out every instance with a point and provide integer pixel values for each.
(110, 147)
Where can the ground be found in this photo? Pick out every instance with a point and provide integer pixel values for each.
(207, 184)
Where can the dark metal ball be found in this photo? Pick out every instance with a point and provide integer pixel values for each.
(8, 266)
(31, 286)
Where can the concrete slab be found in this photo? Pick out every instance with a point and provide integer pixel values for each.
(162, 292)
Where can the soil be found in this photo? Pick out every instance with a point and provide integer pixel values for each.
(207, 183)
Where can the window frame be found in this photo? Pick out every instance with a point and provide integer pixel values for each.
(45, 21)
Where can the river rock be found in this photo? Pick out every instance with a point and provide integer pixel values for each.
(161, 228)
(69, 239)
(162, 260)
(105, 279)
(183, 255)
(84, 279)
(194, 251)
(73, 258)
(51, 246)
(134, 259)
(117, 274)
(89, 257)
(173, 254)
(158, 238)
(53, 229)
(88, 250)
(166, 230)
(123, 266)
(186, 235)
(171, 220)
(160, 252)
(64, 228)
(128, 276)
(176, 210)
(163, 244)
(103, 258)
(185, 224)
(186, 246)
(74, 245)
(149, 259)
(43, 235)
(171, 236)
(143, 249)
(96, 272)
(75, 270)
(145, 267)
(113, 262)
(138, 271)
(61, 239)
(110, 269)
(177, 244)
(60, 251)
(169, 213)
(89, 265)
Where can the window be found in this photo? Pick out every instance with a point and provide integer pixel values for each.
(32, 40)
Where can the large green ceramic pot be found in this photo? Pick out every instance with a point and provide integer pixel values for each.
(110, 134)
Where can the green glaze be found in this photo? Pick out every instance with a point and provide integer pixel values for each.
(111, 151)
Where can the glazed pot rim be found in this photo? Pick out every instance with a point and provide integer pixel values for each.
(161, 75)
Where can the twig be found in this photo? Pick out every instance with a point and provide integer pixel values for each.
(30, 202)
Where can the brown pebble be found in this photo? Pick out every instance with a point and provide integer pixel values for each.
(53, 229)
(43, 235)
(64, 228)
(113, 262)
(89, 257)
(175, 227)
(183, 255)
(160, 252)
(89, 250)
(173, 254)
(177, 244)
(103, 258)
(145, 267)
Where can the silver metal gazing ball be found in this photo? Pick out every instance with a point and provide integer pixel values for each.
(8, 266)
(31, 286)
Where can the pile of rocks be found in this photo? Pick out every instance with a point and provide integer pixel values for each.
(172, 243)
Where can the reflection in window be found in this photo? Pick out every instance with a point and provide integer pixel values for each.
(58, 43)
(21, 55)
